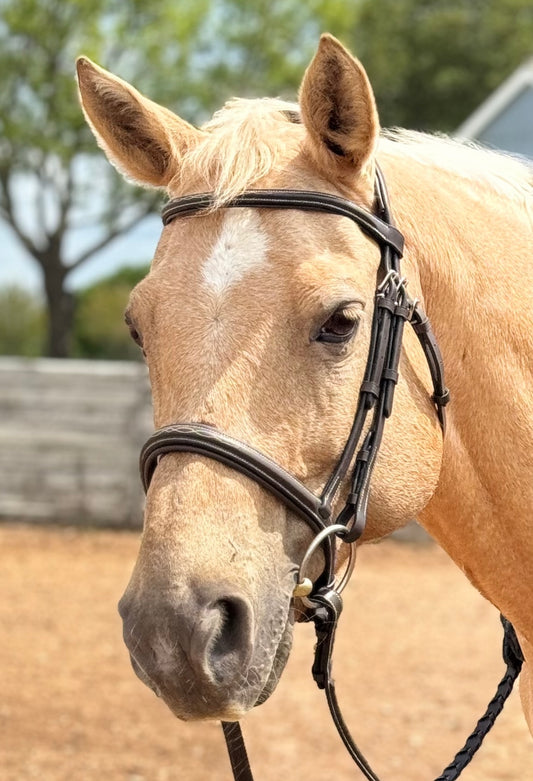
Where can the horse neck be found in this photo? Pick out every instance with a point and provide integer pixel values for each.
(471, 247)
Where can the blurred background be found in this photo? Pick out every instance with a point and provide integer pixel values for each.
(74, 240)
(74, 237)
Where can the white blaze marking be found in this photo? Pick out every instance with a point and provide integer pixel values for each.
(241, 247)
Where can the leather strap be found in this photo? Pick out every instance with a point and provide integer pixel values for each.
(209, 441)
(513, 658)
(306, 200)
(325, 618)
(426, 337)
(238, 756)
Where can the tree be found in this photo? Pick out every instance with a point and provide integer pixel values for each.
(21, 322)
(99, 330)
(430, 61)
(53, 180)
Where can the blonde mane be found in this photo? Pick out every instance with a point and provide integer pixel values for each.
(244, 142)
(508, 175)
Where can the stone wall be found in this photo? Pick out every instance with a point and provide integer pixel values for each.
(70, 433)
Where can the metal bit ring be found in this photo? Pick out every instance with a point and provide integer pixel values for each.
(304, 585)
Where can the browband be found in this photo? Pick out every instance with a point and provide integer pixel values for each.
(382, 232)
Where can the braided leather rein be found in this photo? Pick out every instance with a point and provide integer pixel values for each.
(393, 308)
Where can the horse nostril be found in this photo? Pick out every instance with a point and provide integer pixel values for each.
(208, 630)
(233, 615)
(230, 646)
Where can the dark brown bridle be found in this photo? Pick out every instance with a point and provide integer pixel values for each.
(393, 308)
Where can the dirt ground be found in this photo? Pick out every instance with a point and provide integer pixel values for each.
(417, 658)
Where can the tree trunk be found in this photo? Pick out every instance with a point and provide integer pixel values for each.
(60, 305)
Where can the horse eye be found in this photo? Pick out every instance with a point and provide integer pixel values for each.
(134, 333)
(339, 327)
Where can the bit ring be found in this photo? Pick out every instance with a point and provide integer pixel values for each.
(304, 585)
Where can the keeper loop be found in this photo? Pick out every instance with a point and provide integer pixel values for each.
(442, 399)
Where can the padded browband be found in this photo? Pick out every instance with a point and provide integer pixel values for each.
(307, 200)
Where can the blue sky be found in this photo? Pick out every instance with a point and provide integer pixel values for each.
(35, 207)
(134, 248)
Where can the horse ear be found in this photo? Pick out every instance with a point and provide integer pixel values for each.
(339, 112)
(143, 140)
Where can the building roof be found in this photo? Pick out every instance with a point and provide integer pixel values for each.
(505, 119)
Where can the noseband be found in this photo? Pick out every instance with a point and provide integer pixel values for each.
(393, 308)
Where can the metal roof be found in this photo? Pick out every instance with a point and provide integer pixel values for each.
(505, 119)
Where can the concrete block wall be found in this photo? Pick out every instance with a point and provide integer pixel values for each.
(70, 433)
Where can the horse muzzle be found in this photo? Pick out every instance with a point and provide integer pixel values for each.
(202, 650)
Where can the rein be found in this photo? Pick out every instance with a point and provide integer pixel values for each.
(393, 308)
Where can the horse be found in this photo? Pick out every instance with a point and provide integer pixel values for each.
(257, 322)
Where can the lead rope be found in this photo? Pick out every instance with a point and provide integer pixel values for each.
(513, 658)
(325, 617)
(238, 756)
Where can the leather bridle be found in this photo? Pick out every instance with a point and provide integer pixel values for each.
(393, 308)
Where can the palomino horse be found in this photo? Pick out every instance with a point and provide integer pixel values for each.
(257, 322)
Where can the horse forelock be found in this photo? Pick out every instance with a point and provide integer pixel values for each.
(242, 143)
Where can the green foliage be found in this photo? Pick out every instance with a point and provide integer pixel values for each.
(22, 319)
(40, 40)
(432, 62)
(52, 175)
(99, 329)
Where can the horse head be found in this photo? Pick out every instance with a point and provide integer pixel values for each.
(256, 322)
